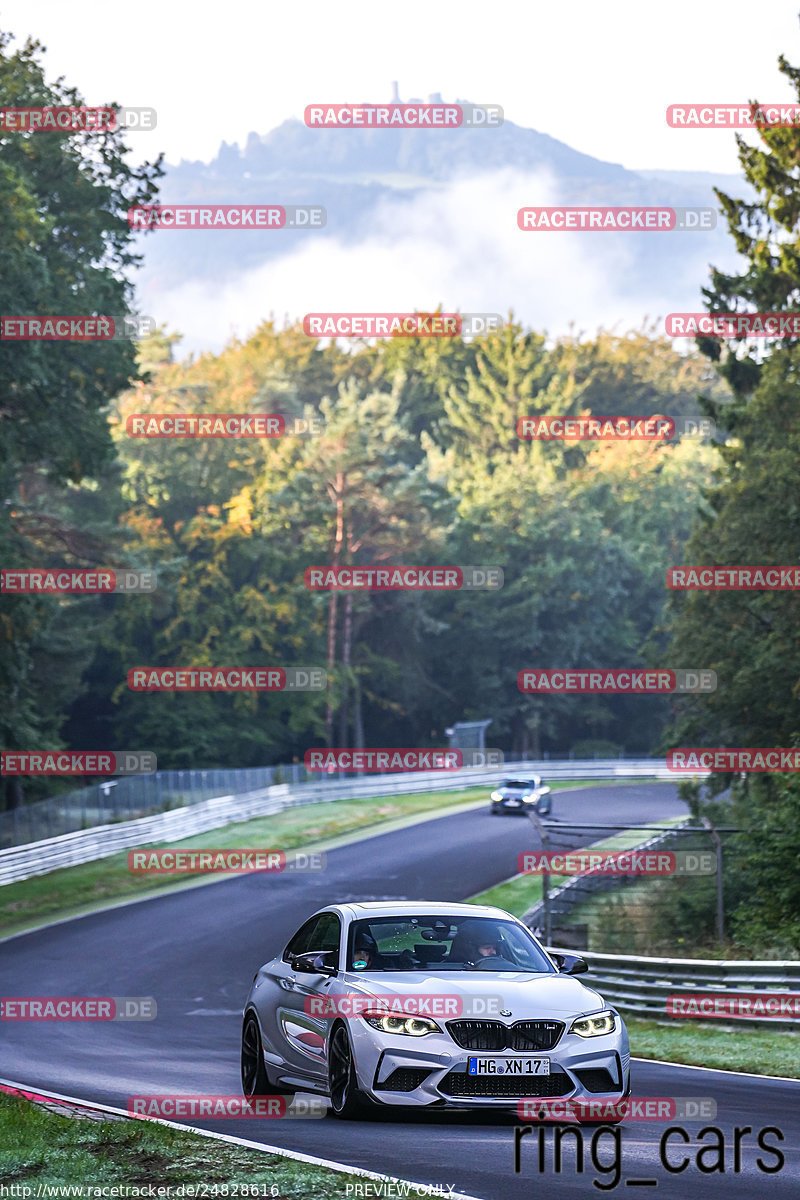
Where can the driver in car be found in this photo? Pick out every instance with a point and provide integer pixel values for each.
(488, 950)
(475, 943)
(365, 953)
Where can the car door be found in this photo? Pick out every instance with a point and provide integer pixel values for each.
(298, 1037)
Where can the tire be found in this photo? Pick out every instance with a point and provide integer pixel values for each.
(347, 1102)
(251, 1042)
(254, 1073)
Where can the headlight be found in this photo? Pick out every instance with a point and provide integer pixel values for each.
(413, 1026)
(495, 796)
(595, 1025)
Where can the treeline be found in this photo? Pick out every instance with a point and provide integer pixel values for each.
(417, 461)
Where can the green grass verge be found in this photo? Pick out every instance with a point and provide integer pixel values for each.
(38, 1146)
(731, 1048)
(73, 891)
(631, 921)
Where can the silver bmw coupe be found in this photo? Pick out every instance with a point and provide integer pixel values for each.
(428, 1004)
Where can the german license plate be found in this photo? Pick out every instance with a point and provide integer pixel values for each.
(508, 1066)
(513, 803)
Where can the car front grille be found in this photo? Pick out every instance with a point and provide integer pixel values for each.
(461, 1084)
(494, 1035)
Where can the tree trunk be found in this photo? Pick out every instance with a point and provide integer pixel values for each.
(337, 489)
(331, 666)
(347, 639)
(358, 719)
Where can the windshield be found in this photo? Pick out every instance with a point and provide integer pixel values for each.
(519, 783)
(441, 943)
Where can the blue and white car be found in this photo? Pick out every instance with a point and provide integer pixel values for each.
(429, 1004)
(521, 794)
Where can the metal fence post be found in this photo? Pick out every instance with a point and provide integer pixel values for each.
(720, 897)
(544, 836)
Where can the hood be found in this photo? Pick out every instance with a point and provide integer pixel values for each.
(527, 996)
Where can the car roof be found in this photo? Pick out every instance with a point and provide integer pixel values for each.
(361, 909)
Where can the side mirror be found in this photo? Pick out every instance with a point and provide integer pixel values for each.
(569, 964)
(316, 962)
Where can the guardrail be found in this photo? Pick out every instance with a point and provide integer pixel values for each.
(102, 841)
(133, 796)
(641, 986)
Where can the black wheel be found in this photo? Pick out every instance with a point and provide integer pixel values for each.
(254, 1074)
(347, 1102)
(255, 1081)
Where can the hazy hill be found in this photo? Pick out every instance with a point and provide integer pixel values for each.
(374, 182)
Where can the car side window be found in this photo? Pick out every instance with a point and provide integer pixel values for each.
(327, 933)
(301, 940)
(319, 933)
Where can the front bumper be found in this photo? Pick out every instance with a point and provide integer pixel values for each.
(517, 808)
(435, 1073)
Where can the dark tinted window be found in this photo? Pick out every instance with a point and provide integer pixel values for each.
(322, 932)
(435, 944)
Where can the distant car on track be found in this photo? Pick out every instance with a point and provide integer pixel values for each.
(379, 970)
(521, 794)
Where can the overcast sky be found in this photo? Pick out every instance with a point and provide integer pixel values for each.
(596, 75)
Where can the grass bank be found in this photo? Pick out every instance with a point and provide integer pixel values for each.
(38, 1146)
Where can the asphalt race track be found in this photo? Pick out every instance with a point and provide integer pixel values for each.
(197, 950)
